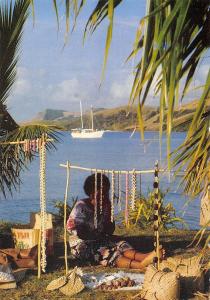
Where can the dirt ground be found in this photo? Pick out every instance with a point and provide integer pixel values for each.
(176, 243)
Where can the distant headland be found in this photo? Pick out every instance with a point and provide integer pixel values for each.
(119, 118)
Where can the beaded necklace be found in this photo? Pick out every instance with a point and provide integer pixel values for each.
(126, 197)
(96, 203)
(133, 190)
(112, 195)
(43, 202)
(156, 260)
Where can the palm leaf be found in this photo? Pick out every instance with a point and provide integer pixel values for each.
(103, 9)
(13, 158)
(12, 19)
(56, 11)
(197, 147)
(174, 35)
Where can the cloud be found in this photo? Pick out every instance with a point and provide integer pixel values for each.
(67, 90)
(127, 23)
(22, 87)
(22, 84)
(202, 72)
(121, 90)
(22, 72)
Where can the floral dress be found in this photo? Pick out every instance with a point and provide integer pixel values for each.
(90, 244)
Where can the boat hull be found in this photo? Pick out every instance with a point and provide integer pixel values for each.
(87, 135)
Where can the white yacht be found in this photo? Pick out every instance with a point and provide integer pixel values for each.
(86, 133)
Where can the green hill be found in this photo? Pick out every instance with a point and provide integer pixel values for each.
(120, 118)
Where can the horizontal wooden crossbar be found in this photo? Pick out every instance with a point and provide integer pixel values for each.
(109, 171)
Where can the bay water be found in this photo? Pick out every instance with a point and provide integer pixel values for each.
(114, 151)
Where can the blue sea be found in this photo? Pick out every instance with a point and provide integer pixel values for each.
(114, 151)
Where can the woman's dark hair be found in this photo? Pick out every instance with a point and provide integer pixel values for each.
(89, 185)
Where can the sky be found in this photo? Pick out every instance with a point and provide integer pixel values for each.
(57, 76)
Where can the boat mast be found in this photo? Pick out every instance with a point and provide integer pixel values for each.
(81, 114)
(92, 116)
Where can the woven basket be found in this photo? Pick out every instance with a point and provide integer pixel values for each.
(194, 262)
(19, 274)
(159, 285)
(190, 271)
(73, 286)
(57, 283)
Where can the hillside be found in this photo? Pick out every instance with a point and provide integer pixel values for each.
(120, 118)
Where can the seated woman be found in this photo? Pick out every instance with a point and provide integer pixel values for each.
(96, 245)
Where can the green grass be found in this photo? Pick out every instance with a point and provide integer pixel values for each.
(176, 243)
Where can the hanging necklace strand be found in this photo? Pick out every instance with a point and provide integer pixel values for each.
(112, 195)
(43, 203)
(96, 204)
(133, 191)
(126, 197)
(101, 194)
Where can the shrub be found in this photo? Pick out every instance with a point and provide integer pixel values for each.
(59, 205)
(143, 214)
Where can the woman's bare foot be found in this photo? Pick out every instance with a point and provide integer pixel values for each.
(124, 261)
(149, 258)
(127, 263)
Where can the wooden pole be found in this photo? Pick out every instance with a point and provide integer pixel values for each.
(22, 142)
(42, 232)
(65, 217)
(39, 255)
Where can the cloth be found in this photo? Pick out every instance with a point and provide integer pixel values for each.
(93, 280)
(90, 244)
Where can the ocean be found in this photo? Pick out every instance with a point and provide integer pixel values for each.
(114, 151)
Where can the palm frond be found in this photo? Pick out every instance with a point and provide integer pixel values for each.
(7, 123)
(174, 40)
(103, 9)
(36, 131)
(12, 19)
(173, 37)
(197, 147)
(13, 159)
